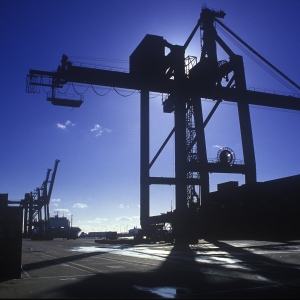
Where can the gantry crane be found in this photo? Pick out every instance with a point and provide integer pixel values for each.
(36, 205)
(186, 82)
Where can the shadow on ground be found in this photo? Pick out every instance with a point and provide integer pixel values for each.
(190, 272)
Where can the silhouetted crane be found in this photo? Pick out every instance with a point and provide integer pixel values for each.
(37, 202)
(186, 82)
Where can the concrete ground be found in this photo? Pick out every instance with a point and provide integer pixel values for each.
(84, 269)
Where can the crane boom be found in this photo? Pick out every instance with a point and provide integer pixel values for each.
(52, 180)
(84, 75)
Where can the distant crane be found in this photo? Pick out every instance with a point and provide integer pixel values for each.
(186, 82)
(36, 204)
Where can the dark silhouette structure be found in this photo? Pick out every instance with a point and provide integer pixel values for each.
(10, 239)
(186, 82)
(35, 207)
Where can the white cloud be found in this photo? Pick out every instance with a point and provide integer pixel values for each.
(123, 219)
(127, 218)
(80, 205)
(98, 130)
(55, 200)
(61, 126)
(121, 206)
(69, 123)
(98, 220)
(96, 127)
(54, 204)
(64, 126)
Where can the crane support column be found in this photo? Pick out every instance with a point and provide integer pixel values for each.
(29, 198)
(25, 220)
(180, 153)
(245, 122)
(201, 148)
(145, 157)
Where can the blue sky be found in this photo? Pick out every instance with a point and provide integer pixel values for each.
(98, 144)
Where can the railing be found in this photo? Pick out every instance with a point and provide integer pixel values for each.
(263, 90)
(33, 83)
(64, 96)
(102, 67)
(236, 161)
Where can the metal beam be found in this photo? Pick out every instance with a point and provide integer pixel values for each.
(174, 181)
(189, 89)
(161, 148)
(144, 159)
(217, 168)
